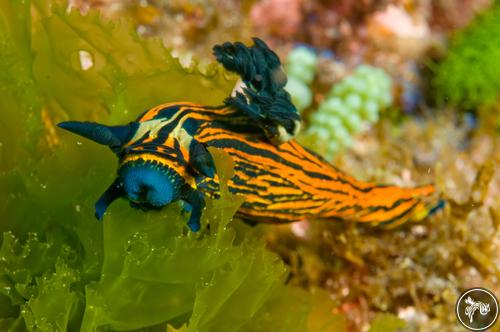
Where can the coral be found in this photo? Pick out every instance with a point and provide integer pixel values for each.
(356, 100)
(469, 76)
(396, 29)
(278, 17)
(300, 68)
(396, 21)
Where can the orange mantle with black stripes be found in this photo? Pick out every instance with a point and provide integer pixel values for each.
(280, 183)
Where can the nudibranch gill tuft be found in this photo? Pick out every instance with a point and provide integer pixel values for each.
(163, 156)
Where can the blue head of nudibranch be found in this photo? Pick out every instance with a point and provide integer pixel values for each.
(147, 185)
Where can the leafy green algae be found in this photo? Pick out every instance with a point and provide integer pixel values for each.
(60, 269)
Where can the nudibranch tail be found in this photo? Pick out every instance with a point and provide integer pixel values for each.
(391, 206)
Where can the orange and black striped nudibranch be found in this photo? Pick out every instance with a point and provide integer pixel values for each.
(163, 157)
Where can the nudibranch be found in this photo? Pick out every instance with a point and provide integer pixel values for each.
(163, 156)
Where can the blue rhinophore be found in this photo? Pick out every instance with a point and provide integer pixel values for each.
(112, 136)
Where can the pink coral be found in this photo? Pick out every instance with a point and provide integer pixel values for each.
(280, 17)
(395, 29)
(397, 22)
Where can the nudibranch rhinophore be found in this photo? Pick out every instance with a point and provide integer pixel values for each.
(163, 156)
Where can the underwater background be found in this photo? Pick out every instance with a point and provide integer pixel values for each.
(403, 92)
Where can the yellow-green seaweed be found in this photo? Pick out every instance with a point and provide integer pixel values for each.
(62, 270)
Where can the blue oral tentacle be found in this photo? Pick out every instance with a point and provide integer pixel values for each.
(114, 191)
